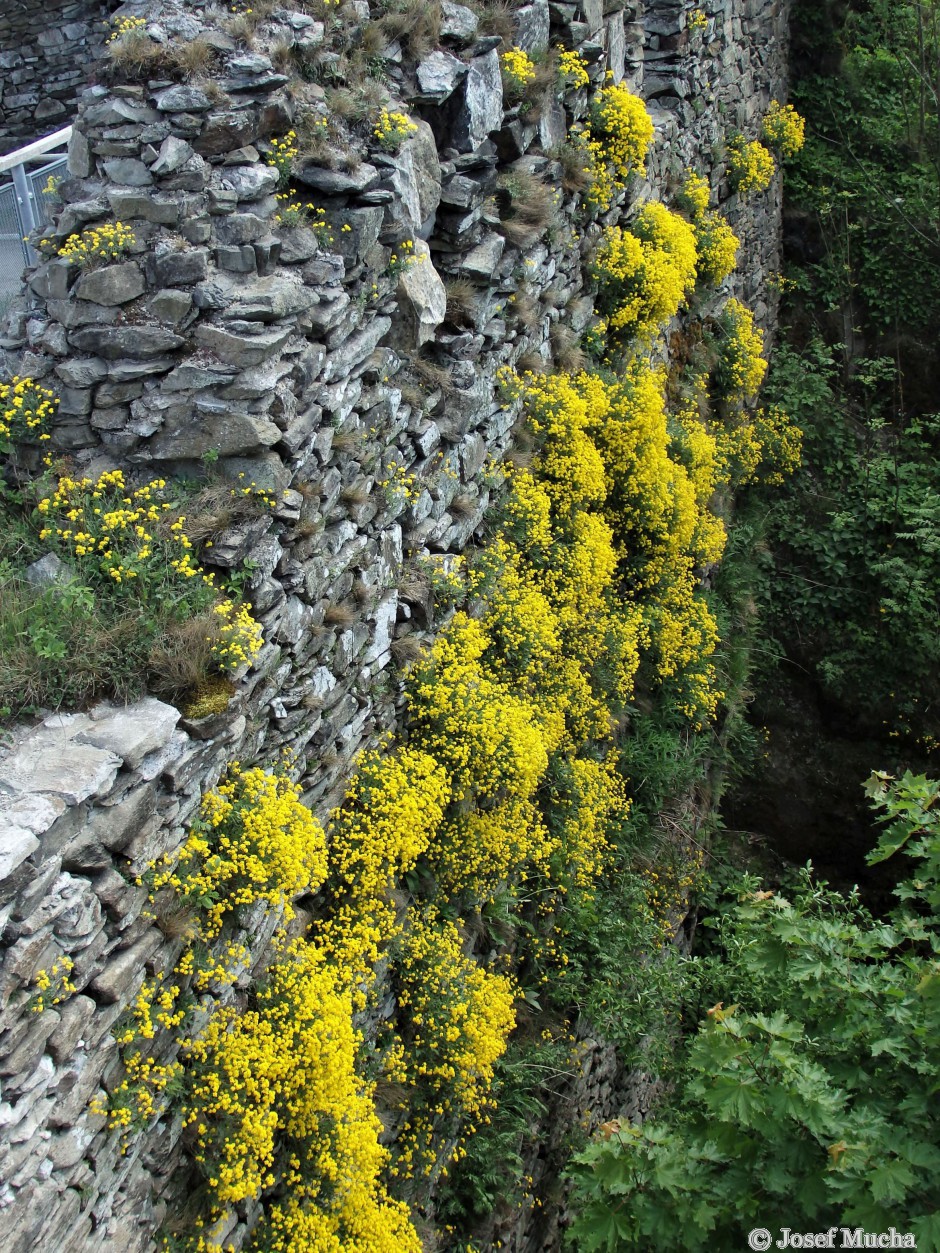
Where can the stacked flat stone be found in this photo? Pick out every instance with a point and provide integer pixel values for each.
(223, 334)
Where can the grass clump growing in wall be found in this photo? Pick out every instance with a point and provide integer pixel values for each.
(117, 604)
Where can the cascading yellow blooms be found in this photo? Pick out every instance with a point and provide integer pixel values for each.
(588, 590)
(615, 142)
(716, 244)
(741, 345)
(644, 274)
(784, 129)
(750, 164)
(455, 1018)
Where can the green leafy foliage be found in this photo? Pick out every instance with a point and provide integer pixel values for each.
(809, 1098)
(856, 583)
(870, 170)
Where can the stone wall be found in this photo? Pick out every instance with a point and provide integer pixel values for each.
(48, 50)
(225, 337)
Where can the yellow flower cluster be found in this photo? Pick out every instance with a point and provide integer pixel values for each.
(399, 261)
(750, 164)
(253, 841)
(398, 484)
(696, 193)
(766, 446)
(25, 410)
(392, 129)
(53, 986)
(784, 129)
(124, 542)
(589, 796)
(518, 71)
(275, 1099)
(125, 26)
(572, 69)
(615, 142)
(292, 213)
(697, 21)
(715, 242)
(454, 1019)
(742, 366)
(284, 152)
(393, 805)
(98, 244)
(240, 637)
(645, 274)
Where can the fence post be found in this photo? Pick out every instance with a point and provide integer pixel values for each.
(24, 200)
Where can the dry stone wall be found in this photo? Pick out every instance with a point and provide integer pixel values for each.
(47, 55)
(225, 338)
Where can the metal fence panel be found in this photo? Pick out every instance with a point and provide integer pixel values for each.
(44, 202)
(13, 255)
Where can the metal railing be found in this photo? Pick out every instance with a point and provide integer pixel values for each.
(25, 204)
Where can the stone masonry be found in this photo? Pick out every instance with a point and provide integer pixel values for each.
(225, 338)
(47, 55)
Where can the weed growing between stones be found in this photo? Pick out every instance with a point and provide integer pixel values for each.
(392, 129)
(750, 164)
(97, 245)
(784, 129)
(118, 602)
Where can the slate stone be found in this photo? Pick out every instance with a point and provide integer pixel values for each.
(439, 74)
(81, 372)
(222, 200)
(355, 349)
(55, 765)
(127, 205)
(129, 172)
(416, 178)
(180, 268)
(225, 130)
(422, 299)
(226, 432)
(173, 153)
(53, 280)
(457, 21)
(481, 261)
(531, 25)
(298, 243)
(241, 350)
(236, 258)
(250, 182)
(482, 109)
(337, 182)
(16, 844)
(240, 228)
(138, 343)
(254, 299)
(183, 99)
(133, 731)
(170, 306)
(111, 285)
(362, 234)
(125, 971)
(327, 314)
